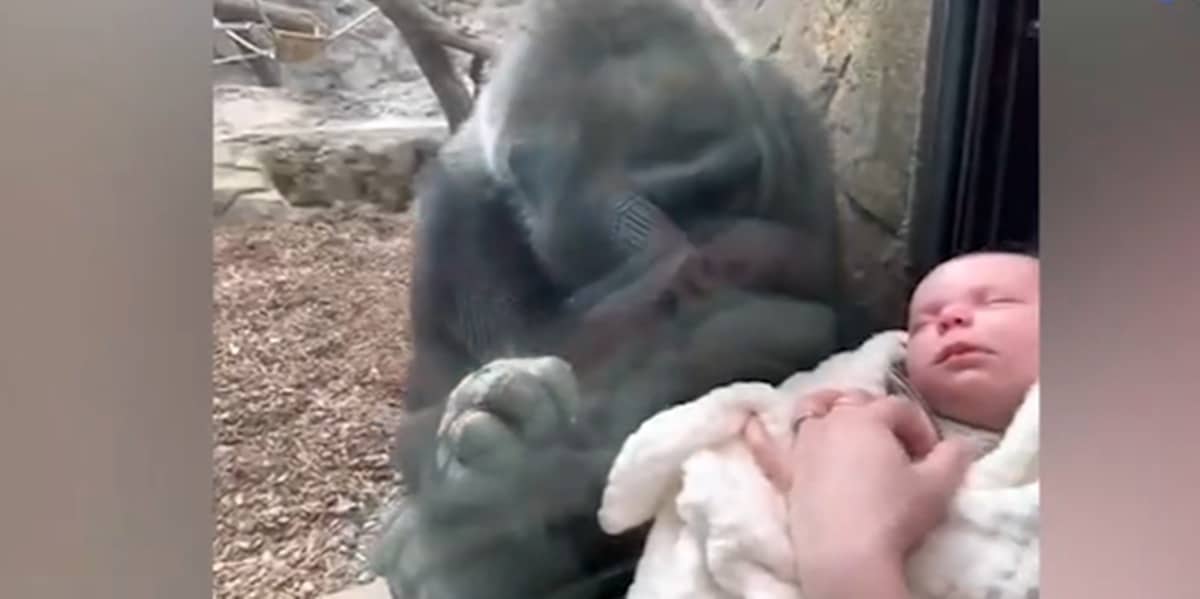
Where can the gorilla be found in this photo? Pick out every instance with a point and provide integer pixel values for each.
(637, 211)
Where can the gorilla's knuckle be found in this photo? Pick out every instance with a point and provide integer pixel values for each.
(476, 433)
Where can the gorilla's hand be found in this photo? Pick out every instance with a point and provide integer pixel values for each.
(698, 276)
(752, 255)
(500, 413)
(765, 257)
(489, 522)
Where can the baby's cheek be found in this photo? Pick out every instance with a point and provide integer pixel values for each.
(917, 362)
(1021, 341)
(916, 355)
(921, 380)
(910, 362)
(928, 383)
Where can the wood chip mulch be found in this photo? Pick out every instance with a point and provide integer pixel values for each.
(310, 348)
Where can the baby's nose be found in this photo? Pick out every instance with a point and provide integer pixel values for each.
(954, 315)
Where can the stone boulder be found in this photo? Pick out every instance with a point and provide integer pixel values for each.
(374, 165)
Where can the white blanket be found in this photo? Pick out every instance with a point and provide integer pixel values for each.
(719, 526)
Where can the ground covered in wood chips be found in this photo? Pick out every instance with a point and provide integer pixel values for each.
(310, 347)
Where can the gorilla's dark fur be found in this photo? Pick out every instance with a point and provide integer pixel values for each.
(637, 197)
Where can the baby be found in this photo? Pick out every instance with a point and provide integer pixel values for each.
(973, 343)
(969, 356)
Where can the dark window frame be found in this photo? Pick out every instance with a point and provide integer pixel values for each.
(977, 177)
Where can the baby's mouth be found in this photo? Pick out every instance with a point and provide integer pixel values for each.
(956, 349)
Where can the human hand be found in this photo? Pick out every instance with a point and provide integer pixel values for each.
(866, 481)
(775, 459)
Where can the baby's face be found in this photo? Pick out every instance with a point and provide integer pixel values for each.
(973, 337)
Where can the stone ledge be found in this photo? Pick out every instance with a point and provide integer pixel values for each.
(265, 174)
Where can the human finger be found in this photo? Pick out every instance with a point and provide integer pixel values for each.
(943, 469)
(766, 454)
(855, 396)
(819, 403)
(907, 422)
(815, 403)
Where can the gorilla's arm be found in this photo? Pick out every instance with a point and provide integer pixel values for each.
(479, 293)
(752, 254)
(720, 164)
(476, 294)
(592, 231)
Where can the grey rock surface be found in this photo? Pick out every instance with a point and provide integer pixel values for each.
(864, 62)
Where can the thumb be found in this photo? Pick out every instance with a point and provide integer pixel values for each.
(944, 467)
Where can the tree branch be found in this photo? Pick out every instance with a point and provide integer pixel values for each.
(428, 37)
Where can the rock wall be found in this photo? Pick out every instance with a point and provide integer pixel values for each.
(864, 62)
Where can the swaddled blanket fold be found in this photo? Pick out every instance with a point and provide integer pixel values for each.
(719, 527)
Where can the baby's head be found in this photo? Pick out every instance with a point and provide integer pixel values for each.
(973, 337)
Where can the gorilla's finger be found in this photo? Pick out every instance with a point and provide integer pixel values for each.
(498, 411)
(415, 544)
(535, 396)
(396, 530)
(481, 441)
(439, 549)
(465, 494)
(697, 277)
(489, 571)
(472, 550)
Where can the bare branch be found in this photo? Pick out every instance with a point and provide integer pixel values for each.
(428, 37)
(458, 40)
